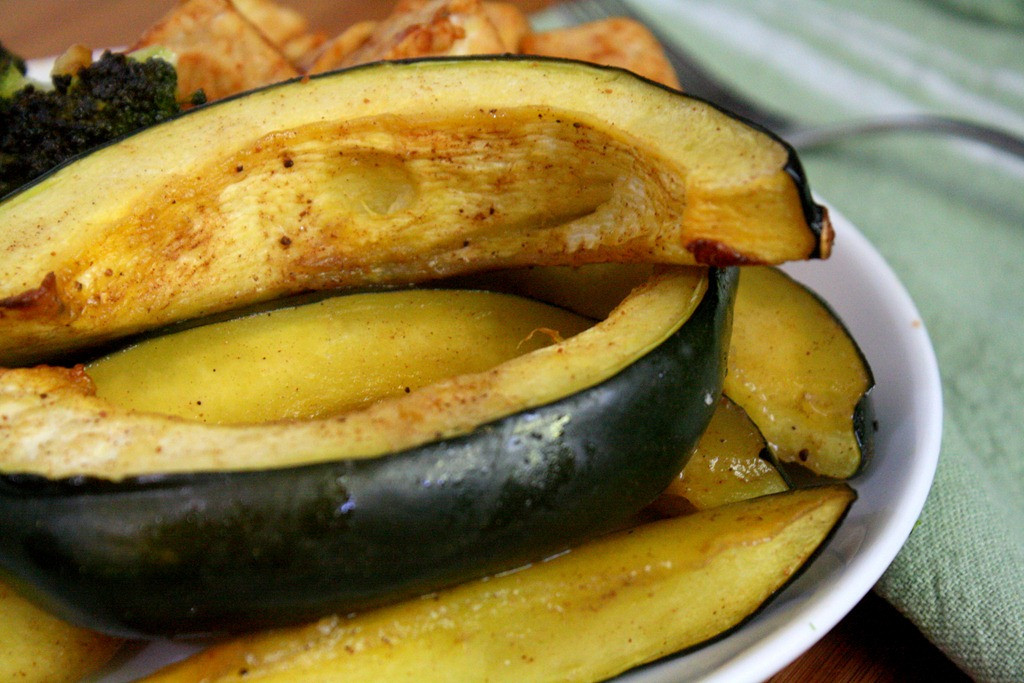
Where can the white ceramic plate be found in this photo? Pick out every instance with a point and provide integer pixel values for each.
(860, 286)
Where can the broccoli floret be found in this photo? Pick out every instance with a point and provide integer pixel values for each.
(8, 58)
(114, 96)
(12, 72)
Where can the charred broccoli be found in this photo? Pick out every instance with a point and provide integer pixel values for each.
(12, 72)
(40, 128)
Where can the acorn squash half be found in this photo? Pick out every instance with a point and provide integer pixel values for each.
(390, 173)
(141, 524)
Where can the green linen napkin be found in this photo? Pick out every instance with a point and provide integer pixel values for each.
(948, 216)
(998, 11)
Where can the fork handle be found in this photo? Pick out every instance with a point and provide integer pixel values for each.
(811, 137)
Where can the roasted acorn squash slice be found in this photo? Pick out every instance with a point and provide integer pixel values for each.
(641, 594)
(800, 376)
(731, 462)
(386, 173)
(140, 523)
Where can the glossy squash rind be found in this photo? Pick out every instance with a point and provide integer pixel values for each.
(240, 550)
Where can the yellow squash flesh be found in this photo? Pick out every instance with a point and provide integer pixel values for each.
(797, 373)
(727, 466)
(328, 357)
(37, 647)
(590, 614)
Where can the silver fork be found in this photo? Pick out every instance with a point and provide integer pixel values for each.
(699, 81)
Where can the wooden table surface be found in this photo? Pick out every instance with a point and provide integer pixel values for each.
(873, 643)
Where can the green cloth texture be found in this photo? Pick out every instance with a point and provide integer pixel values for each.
(948, 216)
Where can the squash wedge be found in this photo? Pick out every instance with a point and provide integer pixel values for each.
(601, 609)
(730, 463)
(800, 376)
(390, 173)
(242, 526)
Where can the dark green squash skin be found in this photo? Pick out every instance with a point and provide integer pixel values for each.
(214, 552)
